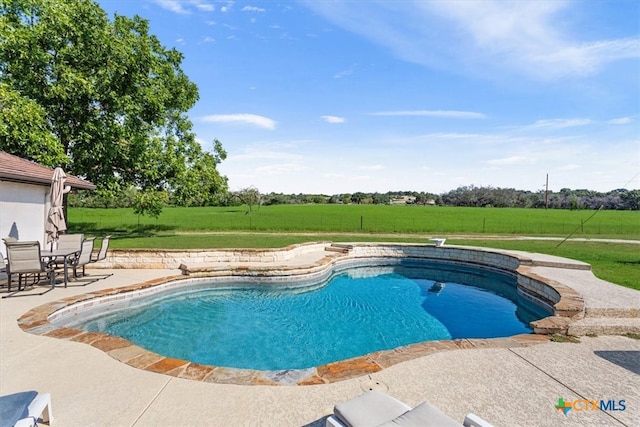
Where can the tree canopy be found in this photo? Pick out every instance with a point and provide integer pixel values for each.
(101, 98)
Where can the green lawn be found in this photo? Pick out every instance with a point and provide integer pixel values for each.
(279, 226)
(369, 219)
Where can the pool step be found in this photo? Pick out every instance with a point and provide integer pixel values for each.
(551, 325)
(587, 326)
(339, 247)
(605, 326)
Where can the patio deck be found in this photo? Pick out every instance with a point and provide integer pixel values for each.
(506, 386)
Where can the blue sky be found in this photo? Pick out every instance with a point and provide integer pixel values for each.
(343, 96)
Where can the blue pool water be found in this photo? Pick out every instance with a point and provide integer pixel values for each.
(360, 310)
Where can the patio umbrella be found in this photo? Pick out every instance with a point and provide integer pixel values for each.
(55, 219)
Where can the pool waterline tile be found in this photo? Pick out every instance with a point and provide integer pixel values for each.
(64, 333)
(348, 369)
(166, 365)
(125, 354)
(288, 376)
(222, 375)
(144, 360)
(192, 371)
(109, 343)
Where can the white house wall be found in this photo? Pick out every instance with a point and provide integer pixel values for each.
(23, 211)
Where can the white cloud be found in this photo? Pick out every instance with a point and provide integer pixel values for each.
(333, 119)
(560, 123)
(454, 136)
(620, 121)
(570, 167)
(243, 118)
(513, 160)
(360, 178)
(333, 175)
(264, 154)
(435, 113)
(208, 40)
(484, 37)
(178, 7)
(526, 36)
(343, 74)
(206, 7)
(371, 167)
(252, 9)
(280, 150)
(280, 169)
(585, 58)
(173, 6)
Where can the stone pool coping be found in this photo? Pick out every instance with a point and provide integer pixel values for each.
(567, 303)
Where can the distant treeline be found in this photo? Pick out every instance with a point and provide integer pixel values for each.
(469, 196)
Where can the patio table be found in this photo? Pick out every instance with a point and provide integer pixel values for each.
(65, 254)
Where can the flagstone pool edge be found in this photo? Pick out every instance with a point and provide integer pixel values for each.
(569, 306)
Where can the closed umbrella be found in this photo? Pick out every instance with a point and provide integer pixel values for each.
(55, 219)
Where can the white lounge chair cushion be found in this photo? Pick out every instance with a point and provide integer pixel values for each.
(369, 409)
(423, 415)
(376, 409)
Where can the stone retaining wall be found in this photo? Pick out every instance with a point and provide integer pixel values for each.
(440, 253)
(173, 258)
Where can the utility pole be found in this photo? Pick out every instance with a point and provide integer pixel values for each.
(546, 194)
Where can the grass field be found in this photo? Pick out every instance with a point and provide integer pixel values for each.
(369, 219)
(279, 226)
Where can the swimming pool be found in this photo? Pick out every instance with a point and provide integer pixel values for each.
(356, 310)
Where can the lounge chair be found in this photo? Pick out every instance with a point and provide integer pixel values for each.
(85, 256)
(23, 259)
(104, 247)
(374, 408)
(25, 409)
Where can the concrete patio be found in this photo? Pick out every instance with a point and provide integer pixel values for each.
(506, 386)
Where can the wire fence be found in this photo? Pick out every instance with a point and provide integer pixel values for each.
(371, 224)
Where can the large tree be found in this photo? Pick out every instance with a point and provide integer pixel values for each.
(105, 99)
(24, 130)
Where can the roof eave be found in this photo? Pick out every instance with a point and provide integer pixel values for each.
(81, 185)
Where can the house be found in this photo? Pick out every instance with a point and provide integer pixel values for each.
(25, 199)
(402, 200)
